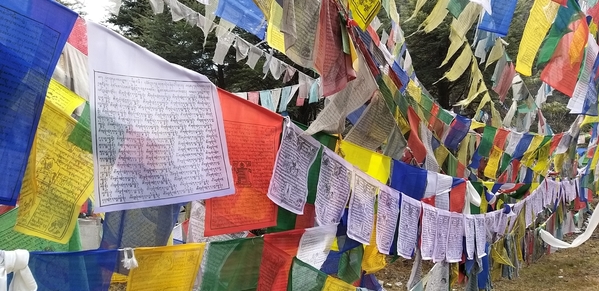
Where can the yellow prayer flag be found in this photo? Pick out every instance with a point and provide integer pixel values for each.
(461, 64)
(543, 159)
(437, 16)
(463, 151)
(335, 245)
(558, 161)
(402, 123)
(274, 37)
(475, 124)
(166, 268)
(441, 154)
(496, 53)
(57, 181)
(493, 164)
(355, 61)
(364, 11)
(264, 6)
(464, 22)
(590, 119)
(374, 164)
(455, 43)
(63, 98)
(118, 278)
(527, 159)
(415, 91)
(595, 159)
(495, 117)
(499, 254)
(541, 17)
(372, 260)
(419, 4)
(486, 99)
(337, 285)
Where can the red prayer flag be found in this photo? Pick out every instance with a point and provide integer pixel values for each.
(78, 36)
(457, 198)
(333, 65)
(252, 134)
(414, 142)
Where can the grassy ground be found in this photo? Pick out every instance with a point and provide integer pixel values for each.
(568, 269)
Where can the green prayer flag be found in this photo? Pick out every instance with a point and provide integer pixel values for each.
(304, 277)
(444, 116)
(484, 149)
(233, 264)
(81, 136)
(455, 7)
(350, 265)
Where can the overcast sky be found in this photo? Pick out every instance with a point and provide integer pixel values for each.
(97, 10)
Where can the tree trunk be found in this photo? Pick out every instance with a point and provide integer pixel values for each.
(220, 77)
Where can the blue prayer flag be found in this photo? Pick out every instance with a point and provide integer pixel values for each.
(81, 271)
(499, 22)
(32, 37)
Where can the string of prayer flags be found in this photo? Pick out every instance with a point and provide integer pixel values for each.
(57, 181)
(203, 169)
(173, 267)
(253, 136)
(86, 270)
(499, 21)
(11, 240)
(34, 35)
(541, 17)
(289, 183)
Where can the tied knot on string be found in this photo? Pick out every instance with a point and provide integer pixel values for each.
(16, 262)
(129, 262)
